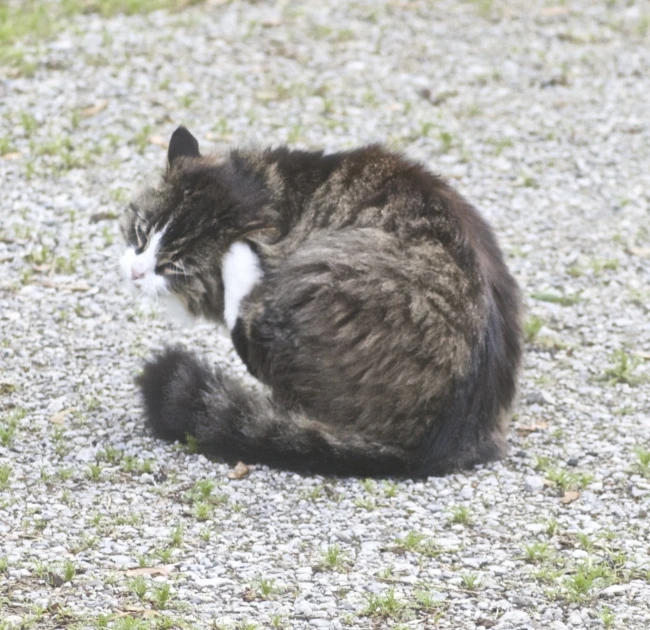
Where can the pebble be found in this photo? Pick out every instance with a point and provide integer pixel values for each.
(534, 483)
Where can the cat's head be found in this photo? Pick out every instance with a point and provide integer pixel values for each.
(175, 237)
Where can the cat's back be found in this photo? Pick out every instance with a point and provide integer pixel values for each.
(373, 187)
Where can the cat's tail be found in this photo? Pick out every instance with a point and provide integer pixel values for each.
(184, 396)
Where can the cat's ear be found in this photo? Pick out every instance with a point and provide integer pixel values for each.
(182, 144)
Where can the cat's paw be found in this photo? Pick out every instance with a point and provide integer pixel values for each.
(172, 385)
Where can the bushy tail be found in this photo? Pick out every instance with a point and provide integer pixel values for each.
(184, 396)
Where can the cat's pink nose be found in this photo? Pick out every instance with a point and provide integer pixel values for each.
(136, 275)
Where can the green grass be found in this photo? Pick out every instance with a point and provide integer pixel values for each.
(623, 370)
(5, 476)
(94, 472)
(37, 19)
(461, 514)
(6, 146)
(566, 480)
(532, 326)
(161, 596)
(553, 298)
(537, 552)
(69, 570)
(384, 606)
(34, 21)
(265, 587)
(585, 578)
(204, 488)
(643, 461)
(607, 617)
(138, 586)
(471, 581)
(333, 558)
(130, 623)
(415, 542)
(177, 536)
(9, 427)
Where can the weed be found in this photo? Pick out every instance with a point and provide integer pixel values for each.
(141, 139)
(333, 557)
(94, 472)
(9, 427)
(426, 600)
(69, 570)
(204, 488)
(622, 370)
(385, 606)
(165, 555)
(205, 534)
(202, 511)
(131, 623)
(191, 443)
(562, 300)
(29, 123)
(6, 146)
(314, 493)
(566, 480)
(367, 503)
(410, 542)
(585, 542)
(470, 581)
(277, 622)
(643, 463)
(417, 543)
(266, 587)
(161, 596)
(390, 489)
(607, 617)
(177, 536)
(5, 476)
(386, 573)
(585, 578)
(446, 140)
(461, 514)
(138, 586)
(532, 326)
(537, 552)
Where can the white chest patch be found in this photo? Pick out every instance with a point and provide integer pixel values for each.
(240, 271)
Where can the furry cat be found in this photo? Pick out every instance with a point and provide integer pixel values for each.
(368, 295)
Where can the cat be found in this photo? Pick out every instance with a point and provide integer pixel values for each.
(368, 296)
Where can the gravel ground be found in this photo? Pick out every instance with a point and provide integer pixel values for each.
(538, 112)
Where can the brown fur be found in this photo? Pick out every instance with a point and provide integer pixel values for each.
(386, 324)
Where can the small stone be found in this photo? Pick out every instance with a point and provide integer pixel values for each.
(13, 620)
(615, 589)
(303, 607)
(215, 581)
(534, 483)
(515, 617)
(467, 492)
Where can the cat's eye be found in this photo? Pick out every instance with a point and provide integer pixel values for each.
(170, 268)
(141, 236)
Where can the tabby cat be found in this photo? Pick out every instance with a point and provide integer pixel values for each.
(368, 296)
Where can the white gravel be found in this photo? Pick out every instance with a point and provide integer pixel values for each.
(538, 112)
